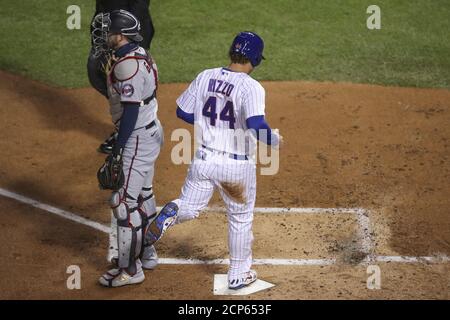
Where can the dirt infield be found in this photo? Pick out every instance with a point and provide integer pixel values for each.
(383, 149)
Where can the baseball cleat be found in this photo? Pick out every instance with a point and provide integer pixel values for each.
(165, 218)
(111, 274)
(108, 145)
(149, 258)
(247, 279)
(119, 277)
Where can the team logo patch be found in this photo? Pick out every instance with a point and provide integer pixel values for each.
(127, 90)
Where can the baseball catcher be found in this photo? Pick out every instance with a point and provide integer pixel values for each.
(128, 171)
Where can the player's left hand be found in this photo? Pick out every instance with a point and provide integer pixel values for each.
(279, 139)
(110, 175)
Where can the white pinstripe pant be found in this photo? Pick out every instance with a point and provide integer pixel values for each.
(236, 182)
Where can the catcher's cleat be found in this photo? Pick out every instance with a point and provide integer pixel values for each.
(149, 258)
(165, 218)
(119, 277)
(108, 145)
(111, 274)
(247, 279)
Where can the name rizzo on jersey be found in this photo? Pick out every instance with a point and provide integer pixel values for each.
(221, 101)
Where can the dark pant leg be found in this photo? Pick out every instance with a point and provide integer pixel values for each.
(147, 32)
(96, 75)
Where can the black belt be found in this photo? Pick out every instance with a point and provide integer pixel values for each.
(147, 100)
(150, 125)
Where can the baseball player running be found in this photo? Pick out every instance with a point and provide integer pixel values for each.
(129, 170)
(222, 102)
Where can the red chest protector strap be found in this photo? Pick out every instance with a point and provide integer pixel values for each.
(131, 68)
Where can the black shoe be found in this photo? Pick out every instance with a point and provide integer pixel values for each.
(107, 146)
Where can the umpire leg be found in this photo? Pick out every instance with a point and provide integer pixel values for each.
(96, 73)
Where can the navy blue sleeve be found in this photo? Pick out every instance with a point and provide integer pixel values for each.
(127, 123)
(258, 123)
(188, 117)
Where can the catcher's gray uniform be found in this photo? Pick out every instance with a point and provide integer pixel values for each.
(133, 78)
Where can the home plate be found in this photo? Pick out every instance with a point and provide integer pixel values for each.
(221, 287)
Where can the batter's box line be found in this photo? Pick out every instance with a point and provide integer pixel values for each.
(361, 213)
(364, 233)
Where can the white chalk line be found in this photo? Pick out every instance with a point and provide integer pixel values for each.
(312, 262)
(278, 210)
(59, 212)
(362, 215)
(364, 233)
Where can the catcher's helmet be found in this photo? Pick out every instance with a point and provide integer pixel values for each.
(118, 21)
(250, 45)
(125, 23)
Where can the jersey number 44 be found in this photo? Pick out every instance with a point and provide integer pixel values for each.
(227, 113)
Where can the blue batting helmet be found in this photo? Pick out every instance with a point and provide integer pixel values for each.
(250, 45)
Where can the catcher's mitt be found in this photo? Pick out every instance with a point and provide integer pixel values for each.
(110, 175)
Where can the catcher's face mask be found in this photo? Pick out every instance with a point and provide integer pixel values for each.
(100, 28)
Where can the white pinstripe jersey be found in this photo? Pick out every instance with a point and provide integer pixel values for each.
(222, 100)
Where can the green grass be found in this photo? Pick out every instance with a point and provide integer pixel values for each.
(305, 40)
